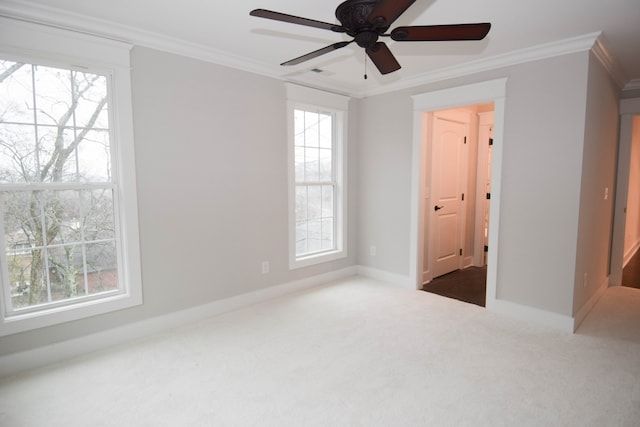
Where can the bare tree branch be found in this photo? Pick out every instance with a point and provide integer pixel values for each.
(6, 73)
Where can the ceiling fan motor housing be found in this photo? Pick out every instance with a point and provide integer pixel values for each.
(354, 17)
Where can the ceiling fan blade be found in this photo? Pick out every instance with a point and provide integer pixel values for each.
(277, 16)
(387, 11)
(383, 58)
(316, 53)
(441, 32)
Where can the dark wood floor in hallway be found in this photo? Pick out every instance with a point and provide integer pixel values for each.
(631, 272)
(468, 285)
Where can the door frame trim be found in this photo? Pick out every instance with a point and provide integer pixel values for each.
(460, 96)
(628, 109)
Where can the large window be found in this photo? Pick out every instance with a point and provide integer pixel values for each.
(62, 207)
(317, 190)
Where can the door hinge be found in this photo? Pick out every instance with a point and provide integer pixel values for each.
(460, 251)
(486, 248)
(488, 196)
(465, 139)
(463, 197)
(490, 141)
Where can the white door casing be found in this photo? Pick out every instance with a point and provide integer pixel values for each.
(487, 91)
(483, 187)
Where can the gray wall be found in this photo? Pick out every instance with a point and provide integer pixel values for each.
(384, 182)
(544, 134)
(599, 163)
(542, 160)
(211, 161)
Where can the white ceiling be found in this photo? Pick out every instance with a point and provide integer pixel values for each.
(223, 32)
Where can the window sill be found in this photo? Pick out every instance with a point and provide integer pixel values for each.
(21, 322)
(317, 259)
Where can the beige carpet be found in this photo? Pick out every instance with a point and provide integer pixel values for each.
(353, 353)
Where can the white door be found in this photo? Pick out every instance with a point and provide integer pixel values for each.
(447, 179)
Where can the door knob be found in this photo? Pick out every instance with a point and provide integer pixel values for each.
(437, 208)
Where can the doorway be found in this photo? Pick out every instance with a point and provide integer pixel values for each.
(492, 91)
(457, 171)
(625, 240)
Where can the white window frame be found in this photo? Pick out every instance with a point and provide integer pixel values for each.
(308, 99)
(34, 43)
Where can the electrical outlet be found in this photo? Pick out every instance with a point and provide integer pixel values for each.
(265, 267)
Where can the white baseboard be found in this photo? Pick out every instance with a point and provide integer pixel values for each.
(507, 308)
(14, 363)
(384, 276)
(467, 262)
(531, 314)
(586, 308)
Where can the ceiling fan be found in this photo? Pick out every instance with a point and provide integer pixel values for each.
(368, 20)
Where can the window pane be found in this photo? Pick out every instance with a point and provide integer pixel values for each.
(327, 234)
(19, 277)
(298, 127)
(301, 203)
(18, 159)
(311, 165)
(299, 163)
(301, 238)
(23, 216)
(314, 235)
(97, 211)
(26, 279)
(327, 201)
(56, 162)
(314, 202)
(94, 157)
(312, 129)
(16, 96)
(326, 131)
(53, 96)
(90, 90)
(102, 267)
(66, 272)
(325, 165)
(63, 219)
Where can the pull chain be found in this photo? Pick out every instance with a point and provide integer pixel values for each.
(365, 65)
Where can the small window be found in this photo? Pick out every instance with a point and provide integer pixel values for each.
(62, 209)
(317, 190)
(315, 183)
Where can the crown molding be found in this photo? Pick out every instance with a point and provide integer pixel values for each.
(57, 18)
(534, 53)
(53, 17)
(632, 85)
(602, 52)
